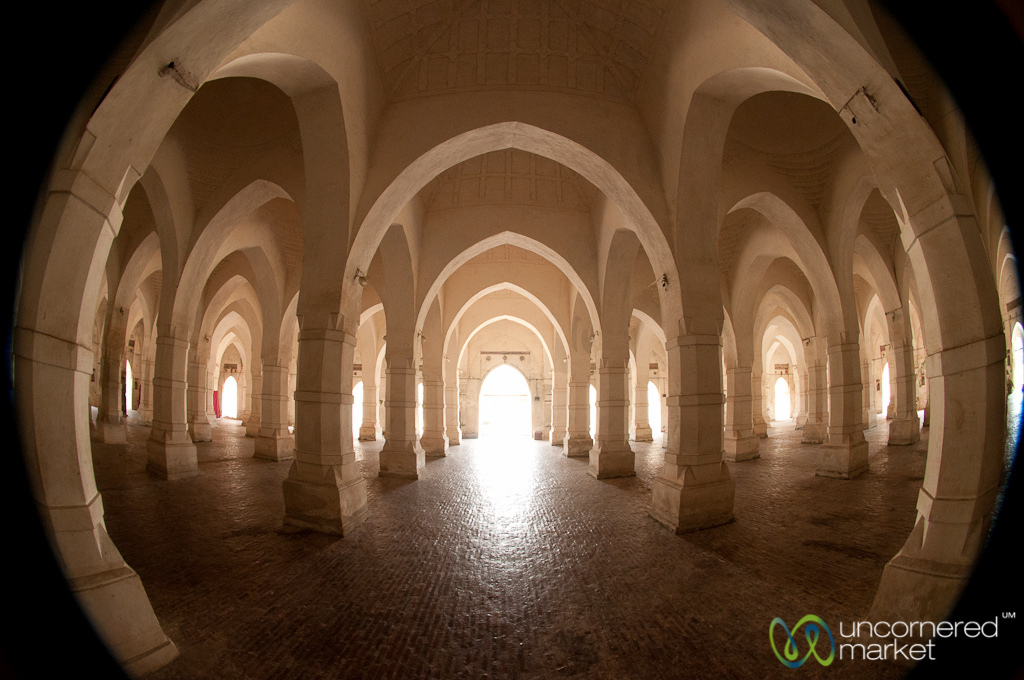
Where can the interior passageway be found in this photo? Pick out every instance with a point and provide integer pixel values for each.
(528, 570)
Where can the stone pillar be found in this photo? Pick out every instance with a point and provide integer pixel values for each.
(611, 455)
(845, 453)
(759, 424)
(198, 422)
(170, 451)
(325, 490)
(960, 485)
(641, 417)
(433, 441)
(542, 408)
(146, 402)
(470, 403)
(559, 406)
(451, 414)
(817, 406)
(694, 490)
(577, 440)
(868, 416)
(110, 425)
(274, 442)
(55, 442)
(253, 424)
(368, 428)
(904, 429)
(402, 455)
(740, 441)
(801, 418)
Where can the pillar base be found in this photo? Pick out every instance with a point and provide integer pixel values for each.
(761, 430)
(453, 439)
(690, 503)
(172, 460)
(275, 447)
(109, 432)
(406, 463)
(252, 427)
(330, 506)
(644, 434)
(814, 433)
(844, 461)
(557, 440)
(200, 430)
(904, 431)
(434, 447)
(800, 421)
(118, 606)
(738, 449)
(577, 447)
(368, 433)
(146, 415)
(918, 590)
(608, 463)
(470, 435)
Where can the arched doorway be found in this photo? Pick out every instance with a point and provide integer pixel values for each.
(654, 408)
(505, 404)
(229, 399)
(127, 387)
(782, 409)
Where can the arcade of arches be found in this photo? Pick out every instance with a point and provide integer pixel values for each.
(738, 202)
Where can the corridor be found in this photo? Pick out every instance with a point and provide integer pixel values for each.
(502, 561)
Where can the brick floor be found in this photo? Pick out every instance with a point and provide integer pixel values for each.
(504, 560)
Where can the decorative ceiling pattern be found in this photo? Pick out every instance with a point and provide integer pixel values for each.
(599, 47)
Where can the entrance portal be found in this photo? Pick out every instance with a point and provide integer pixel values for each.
(782, 410)
(505, 404)
(229, 399)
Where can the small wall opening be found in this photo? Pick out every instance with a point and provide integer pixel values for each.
(229, 398)
(505, 404)
(653, 407)
(782, 407)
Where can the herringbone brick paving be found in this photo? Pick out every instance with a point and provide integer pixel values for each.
(504, 560)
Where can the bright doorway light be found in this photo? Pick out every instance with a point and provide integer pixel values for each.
(653, 408)
(505, 404)
(886, 390)
(782, 410)
(229, 399)
(357, 408)
(127, 386)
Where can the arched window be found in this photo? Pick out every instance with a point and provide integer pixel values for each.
(229, 400)
(505, 404)
(782, 409)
